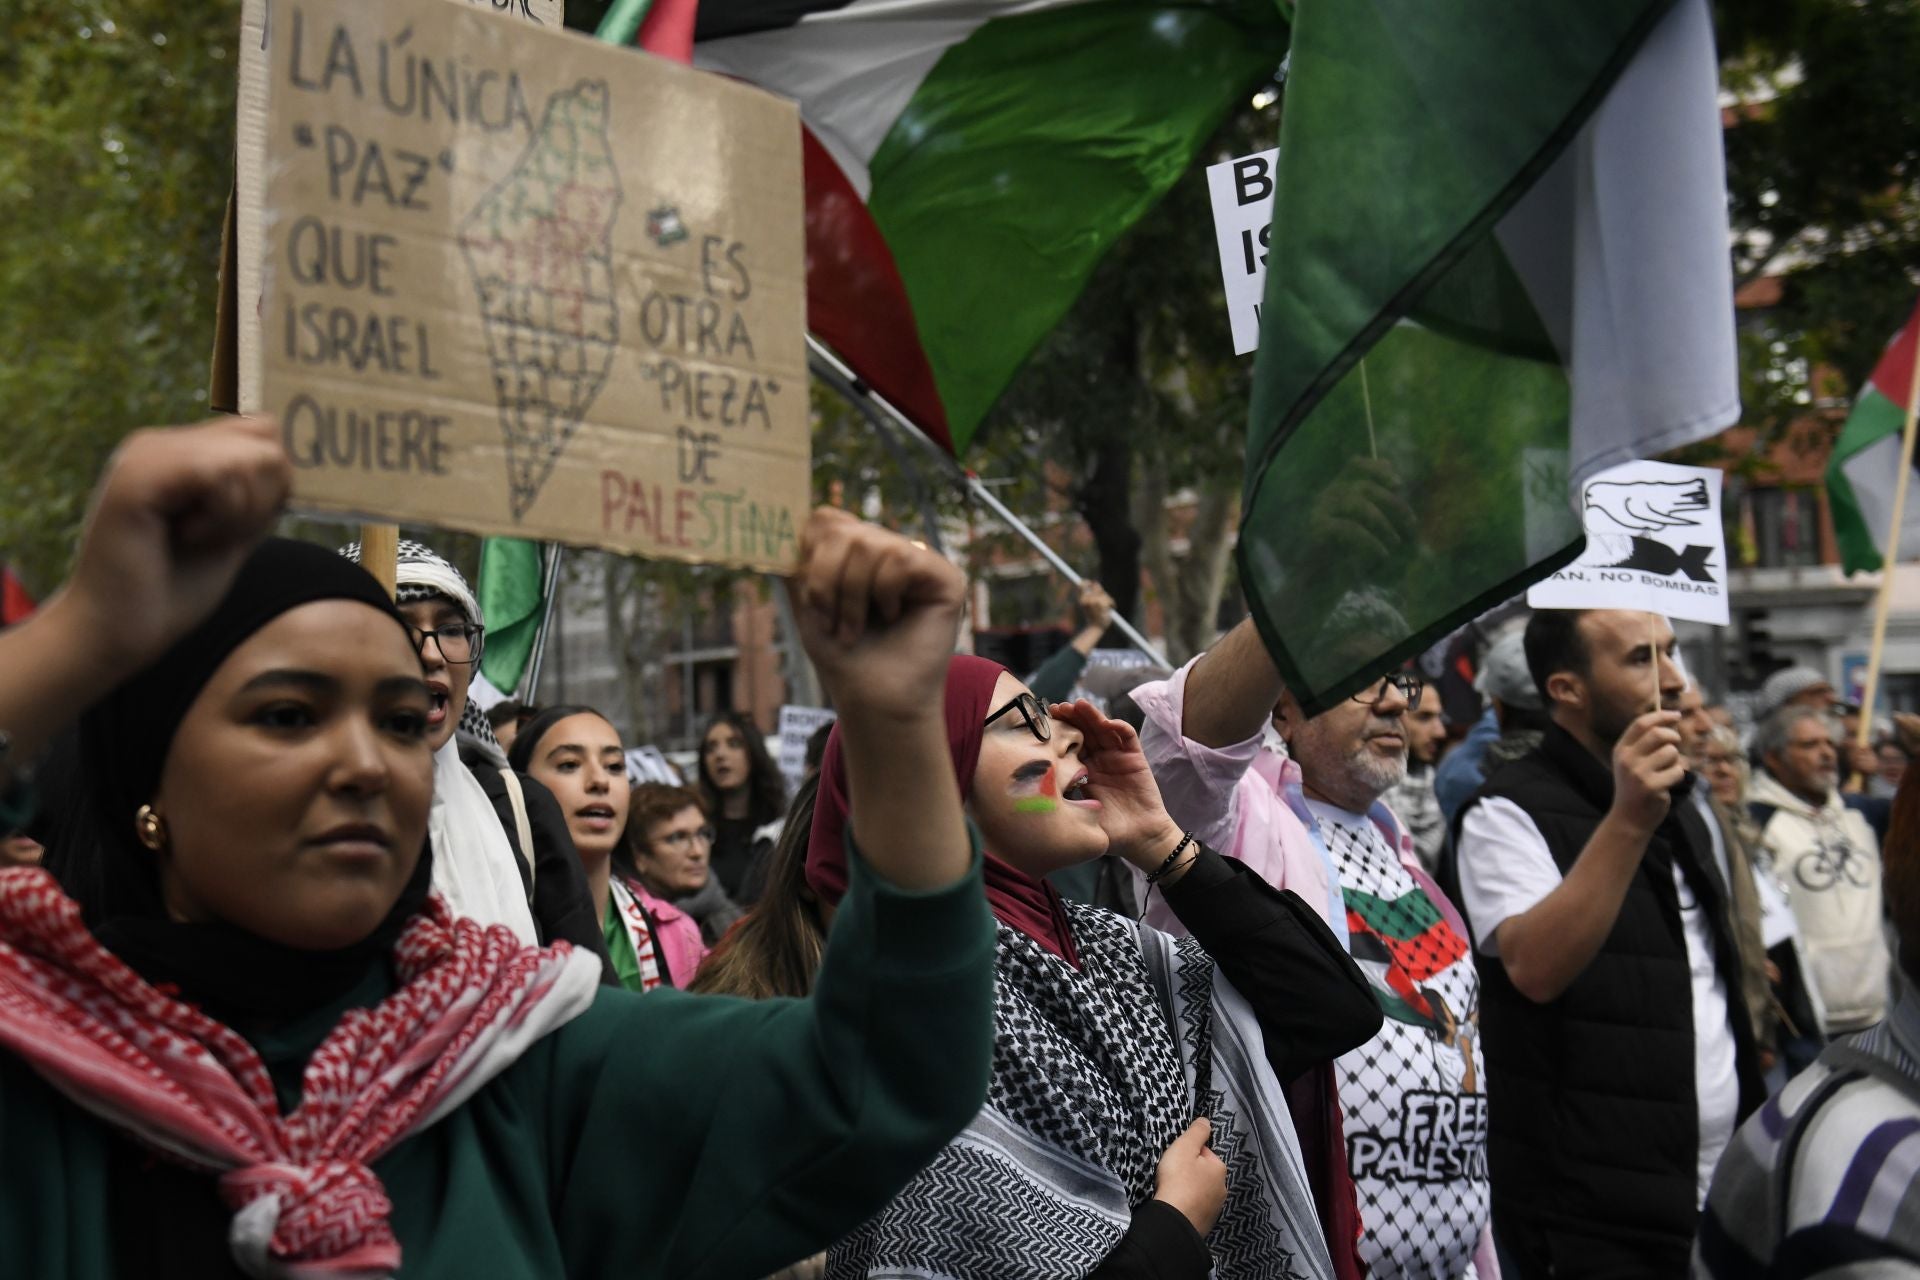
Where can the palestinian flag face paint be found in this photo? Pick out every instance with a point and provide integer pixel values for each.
(1042, 795)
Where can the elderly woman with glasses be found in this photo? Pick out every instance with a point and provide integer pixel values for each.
(669, 841)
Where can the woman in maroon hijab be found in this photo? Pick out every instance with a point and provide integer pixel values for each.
(1121, 1053)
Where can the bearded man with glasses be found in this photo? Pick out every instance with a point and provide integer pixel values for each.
(1402, 1118)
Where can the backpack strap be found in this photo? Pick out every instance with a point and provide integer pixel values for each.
(1850, 1064)
(523, 828)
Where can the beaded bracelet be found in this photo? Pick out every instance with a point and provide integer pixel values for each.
(1172, 858)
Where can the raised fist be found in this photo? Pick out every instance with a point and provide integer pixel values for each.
(176, 512)
(878, 615)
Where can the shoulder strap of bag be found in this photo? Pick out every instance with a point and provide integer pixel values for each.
(1849, 1064)
(521, 826)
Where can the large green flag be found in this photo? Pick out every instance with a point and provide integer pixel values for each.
(1499, 263)
(512, 600)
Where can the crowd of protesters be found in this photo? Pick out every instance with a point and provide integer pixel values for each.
(309, 966)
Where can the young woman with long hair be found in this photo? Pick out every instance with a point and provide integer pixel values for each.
(746, 794)
(775, 949)
(576, 753)
(256, 1045)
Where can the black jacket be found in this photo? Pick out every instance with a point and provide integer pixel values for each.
(562, 904)
(1593, 1123)
(1312, 1002)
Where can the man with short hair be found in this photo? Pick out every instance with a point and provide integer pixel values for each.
(1412, 799)
(1619, 1064)
(1297, 799)
(1829, 861)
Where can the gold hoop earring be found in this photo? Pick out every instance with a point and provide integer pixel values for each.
(150, 828)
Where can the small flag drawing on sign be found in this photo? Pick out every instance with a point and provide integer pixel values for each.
(1654, 542)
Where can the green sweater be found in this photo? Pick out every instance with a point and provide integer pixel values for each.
(664, 1135)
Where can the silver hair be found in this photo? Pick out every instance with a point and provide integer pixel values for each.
(1775, 731)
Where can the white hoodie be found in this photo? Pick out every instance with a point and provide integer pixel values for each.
(1830, 863)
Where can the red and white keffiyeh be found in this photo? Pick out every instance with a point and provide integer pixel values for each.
(307, 1205)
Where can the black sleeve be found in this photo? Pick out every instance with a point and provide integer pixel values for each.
(1160, 1245)
(1312, 1001)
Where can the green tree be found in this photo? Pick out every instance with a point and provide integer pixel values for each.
(116, 155)
(1823, 172)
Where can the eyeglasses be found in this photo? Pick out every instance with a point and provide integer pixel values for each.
(459, 643)
(681, 839)
(1409, 685)
(1031, 710)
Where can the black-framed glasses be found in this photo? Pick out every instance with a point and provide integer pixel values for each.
(1031, 710)
(681, 839)
(1410, 686)
(459, 642)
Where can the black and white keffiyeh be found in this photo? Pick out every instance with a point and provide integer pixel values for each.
(424, 574)
(474, 867)
(1096, 1071)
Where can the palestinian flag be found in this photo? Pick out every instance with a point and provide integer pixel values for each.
(513, 599)
(1866, 461)
(1498, 264)
(1400, 944)
(968, 162)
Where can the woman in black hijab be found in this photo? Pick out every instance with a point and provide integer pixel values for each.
(255, 985)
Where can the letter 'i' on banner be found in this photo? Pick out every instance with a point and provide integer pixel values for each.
(1242, 195)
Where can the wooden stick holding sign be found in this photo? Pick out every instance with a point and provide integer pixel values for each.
(380, 554)
(1889, 556)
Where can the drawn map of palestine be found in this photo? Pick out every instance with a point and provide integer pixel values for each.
(539, 246)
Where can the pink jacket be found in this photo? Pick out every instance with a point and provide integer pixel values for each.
(1246, 801)
(677, 935)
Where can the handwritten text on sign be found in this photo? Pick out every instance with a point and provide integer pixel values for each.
(1655, 542)
(520, 283)
(1242, 195)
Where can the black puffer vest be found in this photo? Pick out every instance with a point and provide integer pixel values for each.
(1593, 1126)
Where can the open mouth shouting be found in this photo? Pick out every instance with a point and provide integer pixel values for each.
(597, 818)
(439, 700)
(1076, 793)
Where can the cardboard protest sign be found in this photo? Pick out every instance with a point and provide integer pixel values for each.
(250, 180)
(517, 282)
(797, 724)
(1654, 542)
(1242, 194)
